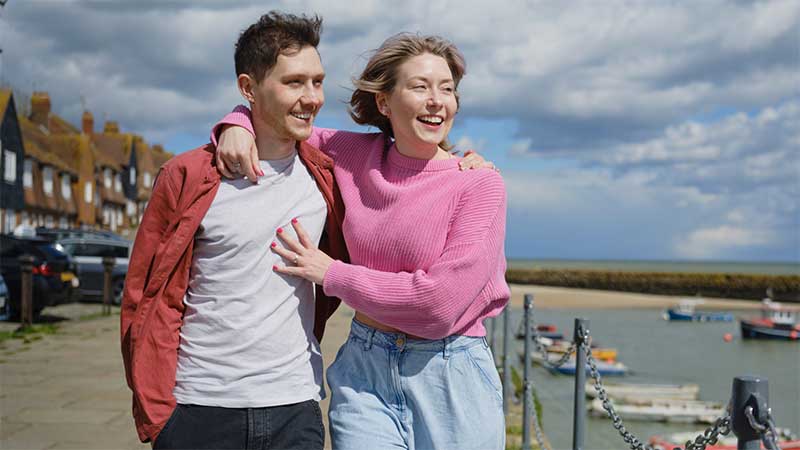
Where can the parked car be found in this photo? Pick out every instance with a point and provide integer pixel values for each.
(87, 252)
(3, 299)
(55, 234)
(54, 280)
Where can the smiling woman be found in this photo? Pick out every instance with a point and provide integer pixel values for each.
(427, 260)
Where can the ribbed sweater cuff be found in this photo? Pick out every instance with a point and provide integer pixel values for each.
(240, 116)
(335, 282)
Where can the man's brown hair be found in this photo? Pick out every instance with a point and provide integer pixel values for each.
(275, 33)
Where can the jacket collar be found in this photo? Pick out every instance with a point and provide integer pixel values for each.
(313, 155)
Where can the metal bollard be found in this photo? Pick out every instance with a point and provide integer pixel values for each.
(527, 392)
(108, 266)
(508, 389)
(749, 392)
(579, 413)
(26, 300)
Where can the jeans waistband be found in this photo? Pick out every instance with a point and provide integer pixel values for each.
(400, 341)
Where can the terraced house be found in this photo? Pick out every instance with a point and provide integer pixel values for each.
(58, 175)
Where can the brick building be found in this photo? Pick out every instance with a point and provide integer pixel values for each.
(57, 175)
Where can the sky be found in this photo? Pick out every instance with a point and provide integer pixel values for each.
(634, 130)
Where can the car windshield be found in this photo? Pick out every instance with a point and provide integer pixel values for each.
(79, 249)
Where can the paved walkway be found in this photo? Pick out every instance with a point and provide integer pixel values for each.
(67, 389)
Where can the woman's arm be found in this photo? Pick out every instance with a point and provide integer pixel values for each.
(427, 303)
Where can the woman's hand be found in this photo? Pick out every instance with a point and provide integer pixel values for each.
(237, 154)
(473, 160)
(305, 259)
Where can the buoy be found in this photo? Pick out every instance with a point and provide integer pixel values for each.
(727, 337)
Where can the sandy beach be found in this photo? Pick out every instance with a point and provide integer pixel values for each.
(546, 297)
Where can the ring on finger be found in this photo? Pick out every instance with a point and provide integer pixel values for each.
(296, 258)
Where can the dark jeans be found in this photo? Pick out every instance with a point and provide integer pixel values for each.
(298, 426)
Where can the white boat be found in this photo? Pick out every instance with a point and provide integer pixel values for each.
(664, 410)
(627, 392)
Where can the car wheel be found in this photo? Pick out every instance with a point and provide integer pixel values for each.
(117, 289)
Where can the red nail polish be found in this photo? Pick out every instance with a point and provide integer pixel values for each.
(273, 245)
(294, 220)
(275, 268)
(280, 230)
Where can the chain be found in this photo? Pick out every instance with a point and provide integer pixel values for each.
(769, 435)
(542, 349)
(537, 430)
(722, 426)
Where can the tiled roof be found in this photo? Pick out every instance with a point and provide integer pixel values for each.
(36, 143)
(5, 96)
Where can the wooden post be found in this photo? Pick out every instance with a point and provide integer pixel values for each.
(26, 300)
(108, 266)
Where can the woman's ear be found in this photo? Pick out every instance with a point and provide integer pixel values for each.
(246, 85)
(382, 102)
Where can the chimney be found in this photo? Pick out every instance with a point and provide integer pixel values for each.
(111, 127)
(40, 108)
(87, 123)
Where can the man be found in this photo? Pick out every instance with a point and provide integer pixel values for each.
(220, 351)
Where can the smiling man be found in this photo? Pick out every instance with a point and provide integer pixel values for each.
(220, 351)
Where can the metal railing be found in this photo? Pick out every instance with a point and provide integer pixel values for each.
(747, 415)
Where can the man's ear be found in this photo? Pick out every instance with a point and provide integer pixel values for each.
(246, 85)
(382, 102)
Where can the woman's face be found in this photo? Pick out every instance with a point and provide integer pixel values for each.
(422, 105)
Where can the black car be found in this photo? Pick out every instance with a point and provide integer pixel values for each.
(88, 252)
(54, 280)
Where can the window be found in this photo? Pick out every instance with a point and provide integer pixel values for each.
(119, 216)
(10, 172)
(118, 182)
(47, 173)
(131, 209)
(10, 221)
(66, 187)
(146, 179)
(26, 220)
(81, 249)
(27, 175)
(87, 192)
(107, 178)
(63, 222)
(132, 174)
(49, 222)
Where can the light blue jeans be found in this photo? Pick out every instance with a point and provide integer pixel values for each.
(391, 392)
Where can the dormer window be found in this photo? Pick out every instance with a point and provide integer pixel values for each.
(118, 182)
(27, 174)
(107, 178)
(146, 179)
(87, 192)
(132, 176)
(10, 172)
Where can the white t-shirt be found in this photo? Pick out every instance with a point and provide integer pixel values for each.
(247, 337)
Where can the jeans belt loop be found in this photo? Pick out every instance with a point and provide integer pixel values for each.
(445, 347)
(370, 337)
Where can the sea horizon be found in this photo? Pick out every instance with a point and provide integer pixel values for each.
(665, 266)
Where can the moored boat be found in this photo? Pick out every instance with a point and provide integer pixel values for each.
(626, 392)
(545, 330)
(602, 353)
(608, 369)
(664, 410)
(786, 441)
(685, 312)
(776, 322)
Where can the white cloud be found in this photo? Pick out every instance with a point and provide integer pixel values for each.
(710, 243)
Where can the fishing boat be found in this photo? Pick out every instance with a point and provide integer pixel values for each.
(602, 353)
(685, 312)
(664, 410)
(786, 441)
(608, 369)
(627, 392)
(776, 322)
(545, 330)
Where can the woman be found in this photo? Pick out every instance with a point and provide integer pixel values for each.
(427, 262)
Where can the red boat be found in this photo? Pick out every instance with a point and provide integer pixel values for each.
(776, 322)
(726, 443)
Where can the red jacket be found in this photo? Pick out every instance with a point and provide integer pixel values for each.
(158, 274)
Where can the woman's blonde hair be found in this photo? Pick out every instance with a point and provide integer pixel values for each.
(380, 75)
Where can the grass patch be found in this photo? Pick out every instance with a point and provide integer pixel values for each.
(30, 334)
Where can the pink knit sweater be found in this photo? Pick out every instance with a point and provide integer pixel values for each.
(425, 239)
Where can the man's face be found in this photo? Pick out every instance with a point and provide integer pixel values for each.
(290, 95)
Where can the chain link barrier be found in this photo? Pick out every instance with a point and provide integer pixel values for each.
(721, 426)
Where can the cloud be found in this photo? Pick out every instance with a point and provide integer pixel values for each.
(707, 243)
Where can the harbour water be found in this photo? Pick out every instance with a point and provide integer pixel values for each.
(657, 351)
(760, 268)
